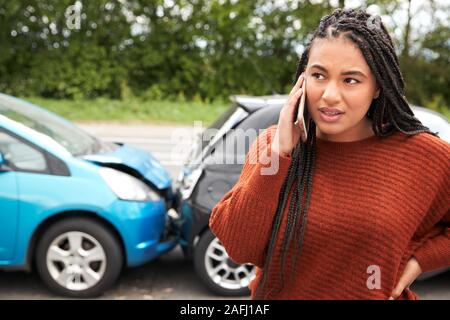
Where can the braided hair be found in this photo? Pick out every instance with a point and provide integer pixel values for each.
(390, 112)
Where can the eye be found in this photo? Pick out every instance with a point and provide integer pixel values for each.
(316, 75)
(356, 81)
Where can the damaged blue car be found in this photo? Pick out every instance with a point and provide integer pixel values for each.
(76, 208)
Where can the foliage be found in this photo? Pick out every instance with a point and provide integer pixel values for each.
(193, 50)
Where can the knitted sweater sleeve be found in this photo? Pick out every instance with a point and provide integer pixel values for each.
(434, 252)
(242, 220)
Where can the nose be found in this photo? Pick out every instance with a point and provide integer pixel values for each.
(331, 94)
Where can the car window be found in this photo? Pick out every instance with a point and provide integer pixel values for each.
(223, 118)
(257, 122)
(72, 138)
(20, 155)
(233, 148)
(204, 142)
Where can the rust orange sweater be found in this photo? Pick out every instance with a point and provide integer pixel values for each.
(375, 203)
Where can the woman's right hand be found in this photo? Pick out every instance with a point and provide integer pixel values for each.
(287, 134)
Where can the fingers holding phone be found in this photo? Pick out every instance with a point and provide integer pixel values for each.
(300, 117)
(288, 132)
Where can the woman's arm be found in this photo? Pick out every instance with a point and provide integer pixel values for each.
(434, 250)
(242, 220)
(430, 245)
(434, 253)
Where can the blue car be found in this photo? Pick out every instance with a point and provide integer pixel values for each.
(76, 208)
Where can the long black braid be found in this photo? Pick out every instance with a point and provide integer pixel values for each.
(390, 112)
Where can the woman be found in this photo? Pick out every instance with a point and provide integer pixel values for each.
(359, 209)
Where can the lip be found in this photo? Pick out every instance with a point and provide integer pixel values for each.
(327, 118)
(326, 109)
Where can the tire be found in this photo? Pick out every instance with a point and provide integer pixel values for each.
(209, 253)
(57, 257)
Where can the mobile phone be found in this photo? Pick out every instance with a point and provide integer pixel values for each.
(302, 116)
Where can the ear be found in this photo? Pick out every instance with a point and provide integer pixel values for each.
(377, 93)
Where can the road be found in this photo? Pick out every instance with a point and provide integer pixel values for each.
(170, 276)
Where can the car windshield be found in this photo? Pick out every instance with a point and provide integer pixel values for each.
(220, 127)
(223, 118)
(73, 139)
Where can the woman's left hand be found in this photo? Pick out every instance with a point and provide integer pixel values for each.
(411, 272)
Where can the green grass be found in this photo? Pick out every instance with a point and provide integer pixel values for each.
(133, 110)
(136, 110)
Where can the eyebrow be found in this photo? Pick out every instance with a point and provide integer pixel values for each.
(346, 73)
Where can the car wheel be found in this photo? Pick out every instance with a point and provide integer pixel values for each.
(78, 257)
(217, 271)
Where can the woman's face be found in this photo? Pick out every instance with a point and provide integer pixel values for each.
(337, 76)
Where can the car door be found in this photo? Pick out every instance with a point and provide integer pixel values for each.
(9, 203)
(24, 163)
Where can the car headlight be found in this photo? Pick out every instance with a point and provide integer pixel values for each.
(127, 187)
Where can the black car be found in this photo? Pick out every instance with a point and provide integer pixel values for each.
(203, 181)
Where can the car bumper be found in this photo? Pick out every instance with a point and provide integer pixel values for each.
(193, 220)
(143, 227)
